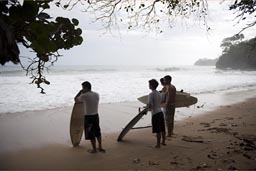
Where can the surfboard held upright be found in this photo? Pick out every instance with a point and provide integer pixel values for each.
(77, 124)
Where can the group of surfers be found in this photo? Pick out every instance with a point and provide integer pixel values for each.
(161, 104)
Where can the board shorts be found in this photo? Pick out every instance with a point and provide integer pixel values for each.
(169, 118)
(91, 127)
(158, 123)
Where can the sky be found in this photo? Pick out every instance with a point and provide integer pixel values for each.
(183, 44)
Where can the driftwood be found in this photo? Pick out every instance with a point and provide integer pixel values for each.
(193, 139)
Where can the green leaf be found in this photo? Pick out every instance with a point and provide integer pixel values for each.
(46, 6)
(75, 22)
(78, 31)
(43, 16)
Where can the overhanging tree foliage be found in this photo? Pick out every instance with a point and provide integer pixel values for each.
(245, 10)
(31, 26)
(145, 14)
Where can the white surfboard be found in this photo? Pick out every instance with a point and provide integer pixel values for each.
(77, 124)
(183, 99)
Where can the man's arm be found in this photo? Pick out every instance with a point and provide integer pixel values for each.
(150, 102)
(168, 96)
(78, 94)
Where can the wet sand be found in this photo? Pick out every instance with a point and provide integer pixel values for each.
(222, 139)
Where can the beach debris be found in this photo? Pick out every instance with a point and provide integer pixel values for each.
(234, 133)
(212, 156)
(234, 125)
(223, 124)
(230, 147)
(205, 124)
(174, 163)
(248, 142)
(202, 167)
(247, 156)
(219, 130)
(201, 106)
(229, 118)
(193, 139)
(232, 168)
(175, 157)
(136, 161)
(237, 151)
(228, 161)
(152, 163)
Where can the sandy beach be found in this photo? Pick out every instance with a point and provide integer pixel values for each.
(222, 138)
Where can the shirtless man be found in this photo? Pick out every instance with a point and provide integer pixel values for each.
(90, 100)
(169, 105)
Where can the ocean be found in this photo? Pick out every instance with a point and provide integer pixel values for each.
(113, 83)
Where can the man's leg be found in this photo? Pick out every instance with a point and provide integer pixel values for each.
(163, 138)
(172, 112)
(168, 122)
(94, 150)
(158, 138)
(100, 144)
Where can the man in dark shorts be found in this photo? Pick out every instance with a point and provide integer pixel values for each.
(90, 100)
(154, 104)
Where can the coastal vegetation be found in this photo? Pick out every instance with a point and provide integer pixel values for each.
(238, 54)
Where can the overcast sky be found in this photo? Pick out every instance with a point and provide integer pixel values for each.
(181, 45)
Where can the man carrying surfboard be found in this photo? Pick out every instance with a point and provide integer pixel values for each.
(90, 101)
(154, 104)
(169, 105)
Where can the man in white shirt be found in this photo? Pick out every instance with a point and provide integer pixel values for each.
(90, 101)
(154, 104)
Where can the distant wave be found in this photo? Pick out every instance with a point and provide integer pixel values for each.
(168, 69)
(225, 89)
(75, 70)
(12, 72)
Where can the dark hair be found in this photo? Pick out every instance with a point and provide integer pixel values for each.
(162, 80)
(87, 85)
(153, 83)
(168, 78)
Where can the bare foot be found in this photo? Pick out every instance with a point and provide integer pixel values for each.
(101, 150)
(92, 151)
(157, 146)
